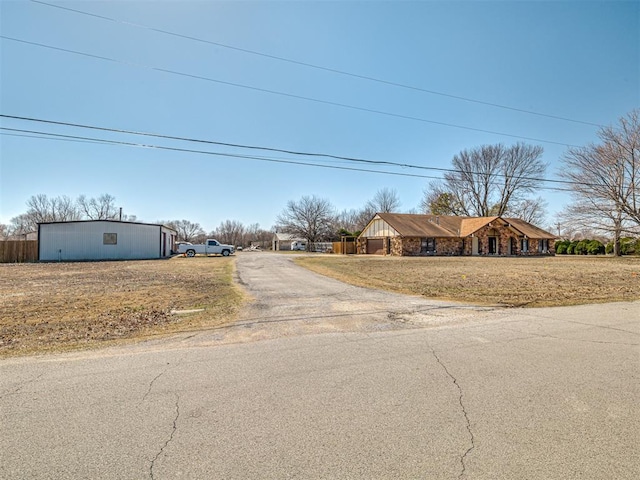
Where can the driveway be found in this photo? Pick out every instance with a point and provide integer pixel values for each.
(344, 383)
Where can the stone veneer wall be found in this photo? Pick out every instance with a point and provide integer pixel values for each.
(410, 246)
(444, 246)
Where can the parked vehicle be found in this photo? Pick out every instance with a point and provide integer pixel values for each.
(296, 245)
(210, 247)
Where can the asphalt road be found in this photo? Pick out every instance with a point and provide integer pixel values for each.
(323, 380)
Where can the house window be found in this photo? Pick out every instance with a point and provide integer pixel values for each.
(543, 245)
(524, 245)
(109, 238)
(428, 245)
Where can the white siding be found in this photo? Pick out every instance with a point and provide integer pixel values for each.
(85, 241)
(379, 228)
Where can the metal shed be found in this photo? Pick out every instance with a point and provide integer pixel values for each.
(104, 240)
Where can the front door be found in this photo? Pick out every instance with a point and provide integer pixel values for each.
(493, 245)
(474, 246)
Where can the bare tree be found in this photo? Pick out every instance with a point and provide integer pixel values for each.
(385, 200)
(437, 201)
(254, 235)
(22, 224)
(230, 232)
(351, 221)
(187, 231)
(310, 218)
(489, 179)
(41, 208)
(101, 208)
(606, 180)
(5, 231)
(530, 210)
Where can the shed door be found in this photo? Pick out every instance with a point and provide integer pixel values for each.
(375, 246)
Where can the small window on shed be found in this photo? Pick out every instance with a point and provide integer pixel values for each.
(109, 238)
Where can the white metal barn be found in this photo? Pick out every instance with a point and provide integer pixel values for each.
(103, 240)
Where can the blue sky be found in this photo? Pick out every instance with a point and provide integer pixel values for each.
(577, 60)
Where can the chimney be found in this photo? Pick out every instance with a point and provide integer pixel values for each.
(437, 220)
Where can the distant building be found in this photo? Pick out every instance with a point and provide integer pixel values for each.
(282, 241)
(104, 240)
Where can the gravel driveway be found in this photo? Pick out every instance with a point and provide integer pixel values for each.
(288, 300)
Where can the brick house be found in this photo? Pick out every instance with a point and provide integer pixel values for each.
(404, 234)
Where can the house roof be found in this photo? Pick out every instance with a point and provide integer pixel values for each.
(528, 229)
(412, 225)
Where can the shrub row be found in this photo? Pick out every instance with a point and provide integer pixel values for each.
(628, 246)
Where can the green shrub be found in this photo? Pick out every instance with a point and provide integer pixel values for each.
(609, 248)
(629, 246)
(561, 247)
(581, 247)
(595, 247)
(571, 248)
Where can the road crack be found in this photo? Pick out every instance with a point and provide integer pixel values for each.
(464, 412)
(152, 382)
(173, 432)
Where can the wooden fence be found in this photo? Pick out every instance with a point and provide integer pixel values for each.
(345, 247)
(18, 251)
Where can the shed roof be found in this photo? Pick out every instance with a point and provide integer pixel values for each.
(110, 221)
(286, 237)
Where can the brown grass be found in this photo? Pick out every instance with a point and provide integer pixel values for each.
(62, 306)
(533, 282)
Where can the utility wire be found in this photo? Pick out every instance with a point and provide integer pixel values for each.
(81, 139)
(318, 67)
(77, 138)
(284, 94)
(271, 149)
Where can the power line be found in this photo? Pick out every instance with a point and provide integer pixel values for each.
(254, 147)
(318, 67)
(284, 94)
(82, 139)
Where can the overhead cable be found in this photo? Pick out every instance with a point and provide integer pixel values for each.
(80, 139)
(254, 147)
(284, 94)
(318, 67)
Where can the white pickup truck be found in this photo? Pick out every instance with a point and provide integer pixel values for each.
(210, 247)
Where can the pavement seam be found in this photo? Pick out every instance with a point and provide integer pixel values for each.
(173, 431)
(464, 412)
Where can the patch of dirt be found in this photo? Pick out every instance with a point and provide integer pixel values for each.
(61, 306)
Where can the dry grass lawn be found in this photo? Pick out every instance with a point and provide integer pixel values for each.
(62, 306)
(507, 281)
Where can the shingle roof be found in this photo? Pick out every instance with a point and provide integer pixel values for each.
(412, 225)
(409, 225)
(528, 229)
